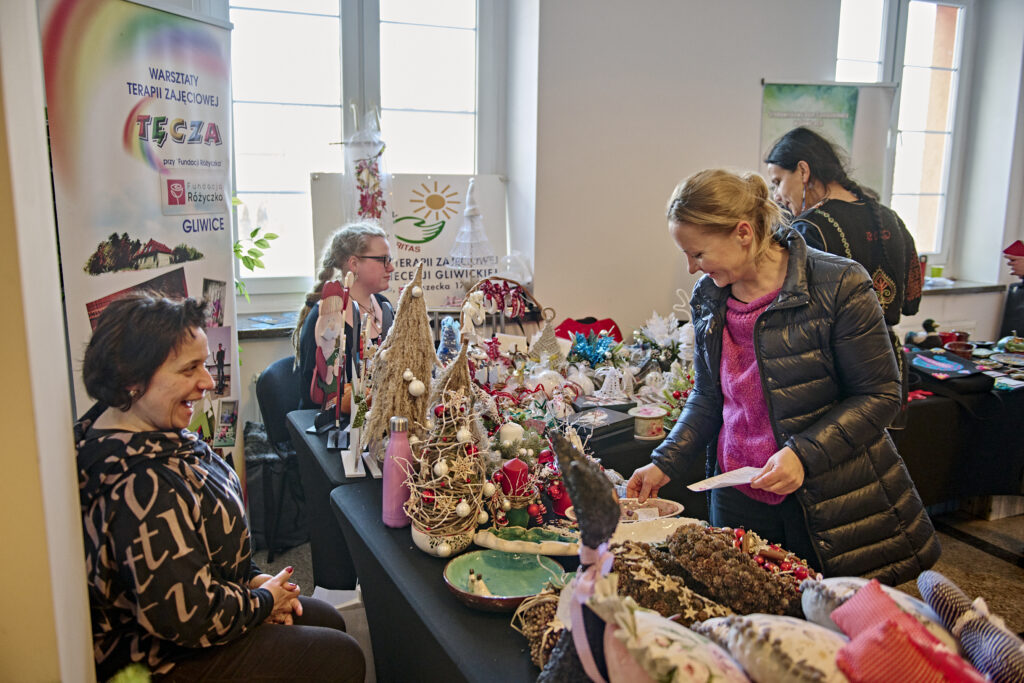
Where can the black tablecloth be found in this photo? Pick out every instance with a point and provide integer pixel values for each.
(958, 449)
(419, 630)
(321, 472)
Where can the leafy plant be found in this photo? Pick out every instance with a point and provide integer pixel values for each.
(250, 250)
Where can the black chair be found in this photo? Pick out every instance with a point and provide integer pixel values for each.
(278, 392)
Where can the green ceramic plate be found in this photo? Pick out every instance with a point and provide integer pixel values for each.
(510, 578)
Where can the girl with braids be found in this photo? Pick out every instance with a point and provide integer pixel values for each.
(794, 376)
(362, 249)
(834, 214)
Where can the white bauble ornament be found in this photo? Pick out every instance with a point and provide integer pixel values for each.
(488, 489)
(413, 439)
(462, 509)
(382, 354)
(430, 424)
(522, 451)
(417, 292)
(529, 452)
(482, 518)
(408, 376)
(443, 549)
(440, 468)
(506, 444)
(464, 435)
(510, 432)
(417, 388)
(549, 380)
(506, 505)
(585, 383)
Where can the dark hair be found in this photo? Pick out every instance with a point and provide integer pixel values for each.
(133, 338)
(827, 165)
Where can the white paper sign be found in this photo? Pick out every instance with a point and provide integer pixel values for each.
(735, 478)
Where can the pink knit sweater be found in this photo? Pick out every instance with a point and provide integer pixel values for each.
(746, 437)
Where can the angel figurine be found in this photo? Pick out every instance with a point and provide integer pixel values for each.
(330, 328)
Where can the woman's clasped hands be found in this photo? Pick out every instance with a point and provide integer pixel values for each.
(286, 596)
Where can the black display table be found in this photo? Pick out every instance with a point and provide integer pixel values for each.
(419, 630)
(321, 472)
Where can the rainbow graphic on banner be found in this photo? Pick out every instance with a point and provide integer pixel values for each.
(84, 39)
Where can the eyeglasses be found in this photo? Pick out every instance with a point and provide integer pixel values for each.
(383, 260)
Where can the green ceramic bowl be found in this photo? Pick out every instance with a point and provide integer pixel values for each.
(510, 578)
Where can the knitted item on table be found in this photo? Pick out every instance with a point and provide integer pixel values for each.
(889, 644)
(746, 438)
(987, 644)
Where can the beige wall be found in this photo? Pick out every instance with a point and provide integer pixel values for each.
(44, 634)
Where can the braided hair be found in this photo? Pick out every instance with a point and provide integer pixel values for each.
(827, 165)
(350, 240)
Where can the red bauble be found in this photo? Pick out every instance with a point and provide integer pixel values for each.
(497, 477)
(759, 559)
(785, 566)
(472, 450)
(533, 509)
(677, 395)
(428, 497)
(555, 491)
(800, 572)
(439, 410)
(739, 533)
(772, 567)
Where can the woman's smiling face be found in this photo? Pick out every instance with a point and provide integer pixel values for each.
(720, 256)
(166, 404)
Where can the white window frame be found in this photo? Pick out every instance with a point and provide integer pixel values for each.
(894, 39)
(360, 74)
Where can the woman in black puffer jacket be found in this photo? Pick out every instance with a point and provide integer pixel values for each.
(794, 375)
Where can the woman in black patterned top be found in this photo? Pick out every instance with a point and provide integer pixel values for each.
(835, 214)
(169, 564)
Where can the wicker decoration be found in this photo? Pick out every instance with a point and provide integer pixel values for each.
(499, 294)
(405, 357)
(447, 483)
(545, 349)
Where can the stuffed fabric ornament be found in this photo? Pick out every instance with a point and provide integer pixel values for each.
(820, 598)
(773, 648)
(597, 512)
(987, 644)
(329, 334)
(889, 644)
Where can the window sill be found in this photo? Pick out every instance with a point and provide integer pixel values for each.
(962, 287)
(266, 325)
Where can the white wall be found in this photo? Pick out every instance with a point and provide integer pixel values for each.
(989, 214)
(631, 98)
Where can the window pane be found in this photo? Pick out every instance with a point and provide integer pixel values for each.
(291, 217)
(429, 143)
(461, 13)
(920, 162)
(921, 215)
(857, 72)
(931, 35)
(926, 99)
(860, 30)
(316, 6)
(278, 146)
(427, 68)
(301, 63)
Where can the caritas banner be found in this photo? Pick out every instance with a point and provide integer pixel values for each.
(139, 112)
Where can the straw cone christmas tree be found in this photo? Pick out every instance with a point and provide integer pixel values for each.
(448, 484)
(546, 350)
(402, 369)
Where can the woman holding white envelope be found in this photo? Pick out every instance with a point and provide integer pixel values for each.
(794, 375)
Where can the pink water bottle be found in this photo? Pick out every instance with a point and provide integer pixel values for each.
(397, 460)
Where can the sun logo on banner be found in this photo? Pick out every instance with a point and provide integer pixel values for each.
(430, 201)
